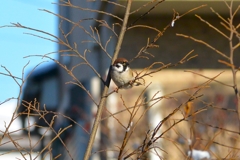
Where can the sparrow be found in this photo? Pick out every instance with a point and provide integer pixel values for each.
(122, 75)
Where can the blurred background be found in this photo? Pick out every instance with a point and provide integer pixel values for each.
(47, 83)
(15, 45)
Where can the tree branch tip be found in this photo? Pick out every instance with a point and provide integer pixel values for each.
(4, 26)
(17, 24)
(194, 56)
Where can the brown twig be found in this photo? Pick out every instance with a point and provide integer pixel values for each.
(105, 90)
(204, 43)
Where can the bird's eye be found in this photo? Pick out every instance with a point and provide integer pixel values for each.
(117, 65)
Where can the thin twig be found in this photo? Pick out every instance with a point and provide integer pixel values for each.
(206, 44)
(105, 90)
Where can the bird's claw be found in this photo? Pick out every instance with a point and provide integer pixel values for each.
(116, 89)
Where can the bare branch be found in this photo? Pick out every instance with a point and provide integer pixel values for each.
(206, 44)
(210, 25)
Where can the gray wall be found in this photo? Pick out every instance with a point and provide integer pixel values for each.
(172, 48)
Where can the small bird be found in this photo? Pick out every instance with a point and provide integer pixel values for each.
(122, 75)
